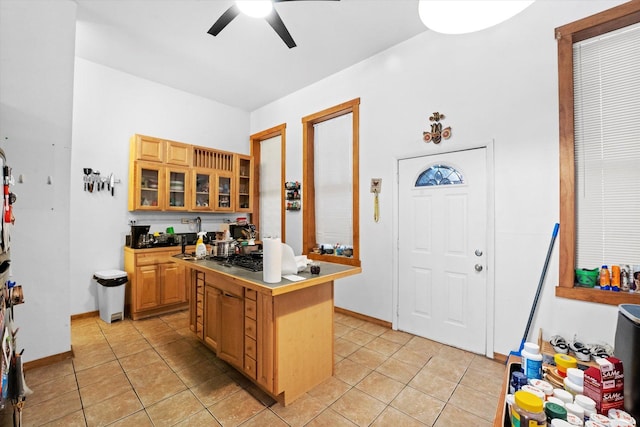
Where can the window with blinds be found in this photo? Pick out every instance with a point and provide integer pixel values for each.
(607, 148)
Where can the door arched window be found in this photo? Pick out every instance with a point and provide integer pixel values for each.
(439, 175)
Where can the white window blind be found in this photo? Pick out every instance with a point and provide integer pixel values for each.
(333, 163)
(607, 148)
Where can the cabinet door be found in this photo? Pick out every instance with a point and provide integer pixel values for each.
(178, 153)
(177, 187)
(173, 283)
(149, 148)
(243, 201)
(211, 316)
(231, 338)
(224, 188)
(146, 189)
(203, 183)
(265, 339)
(147, 293)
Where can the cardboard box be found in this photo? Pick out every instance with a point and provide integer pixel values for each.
(605, 384)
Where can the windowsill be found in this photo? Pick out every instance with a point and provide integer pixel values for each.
(334, 258)
(598, 296)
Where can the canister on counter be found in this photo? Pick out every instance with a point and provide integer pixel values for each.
(527, 410)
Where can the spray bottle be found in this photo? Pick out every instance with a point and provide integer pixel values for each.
(201, 249)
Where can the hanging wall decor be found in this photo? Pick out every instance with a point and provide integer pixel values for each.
(293, 192)
(437, 133)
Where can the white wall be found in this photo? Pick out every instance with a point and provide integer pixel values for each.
(37, 40)
(499, 84)
(108, 107)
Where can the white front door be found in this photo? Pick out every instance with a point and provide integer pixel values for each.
(442, 287)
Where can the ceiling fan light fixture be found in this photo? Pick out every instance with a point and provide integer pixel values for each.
(255, 8)
(467, 16)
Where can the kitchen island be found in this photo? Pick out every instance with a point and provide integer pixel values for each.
(279, 335)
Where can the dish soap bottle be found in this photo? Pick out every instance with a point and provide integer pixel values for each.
(201, 249)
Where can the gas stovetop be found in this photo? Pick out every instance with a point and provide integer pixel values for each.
(245, 261)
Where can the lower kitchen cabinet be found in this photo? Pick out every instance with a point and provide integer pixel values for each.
(211, 316)
(156, 285)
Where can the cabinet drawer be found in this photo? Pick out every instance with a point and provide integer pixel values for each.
(250, 328)
(251, 294)
(250, 347)
(250, 309)
(250, 367)
(152, 259)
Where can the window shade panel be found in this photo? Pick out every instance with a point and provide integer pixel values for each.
(607, 148)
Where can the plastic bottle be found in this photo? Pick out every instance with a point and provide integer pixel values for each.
(605, 278)
(527, 410)
(532, 361)
(201, 249)
(615, 278)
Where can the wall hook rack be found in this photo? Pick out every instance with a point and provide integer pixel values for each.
(94, 182)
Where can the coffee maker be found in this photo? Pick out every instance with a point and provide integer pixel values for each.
(137, 235)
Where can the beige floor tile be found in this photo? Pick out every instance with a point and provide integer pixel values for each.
(383, 346)
(140, 360)
(369, 358)
(198, 373)
(47, 390)
(373, 328)
(112, 409)
(330, 418)
(47, 373)
(97, 373)
(445, 368)
(330, 390)
(190, 356)
(351, 321)
(455, 417)
(358, 407)
(359, 337)
(74, 419)
(265, 418)
(339, 330)
(174, 409)
(380, 386)
(202, 418)
(129, 347)
(163, 338)
(433, 385)
(418, 405)
(392, 417)
(344, 348)
(413, 357)
(236, 409)
(216, 389)
(483, 381)
(300, 411)
(475, 402)
(350, 372)
(50, 410)
(137, 419)
(111, 386)
(161, 387)
(460, 357)
(488, 366)
(88, 360)
(398, 370)
(424, 345)
(397, 337)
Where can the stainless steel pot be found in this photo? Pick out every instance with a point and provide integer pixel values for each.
(223, 248)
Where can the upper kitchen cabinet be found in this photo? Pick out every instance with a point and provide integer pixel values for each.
(203, 185)
(224, 192)
(244, 181)
(155, 187)
(178, 153)
(177, 184)
(147, 148)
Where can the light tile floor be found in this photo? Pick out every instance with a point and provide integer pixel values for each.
(154, 372)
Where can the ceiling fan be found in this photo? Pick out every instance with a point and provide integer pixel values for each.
(263, 9)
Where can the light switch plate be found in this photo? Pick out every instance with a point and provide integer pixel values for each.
(376, 185)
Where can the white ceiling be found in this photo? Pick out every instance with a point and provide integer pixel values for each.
(247, 65)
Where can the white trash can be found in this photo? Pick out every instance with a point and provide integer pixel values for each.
(111, 285)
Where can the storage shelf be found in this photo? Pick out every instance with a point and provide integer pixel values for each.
(598, 296)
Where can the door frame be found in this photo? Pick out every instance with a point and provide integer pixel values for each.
(490, 249)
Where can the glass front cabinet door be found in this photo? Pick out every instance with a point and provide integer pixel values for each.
(149, 180)
(177, 189)
(224, 190)
(243, 168)
(203, 190)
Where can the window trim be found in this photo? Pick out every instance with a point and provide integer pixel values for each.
(308, 193)
(609, 20)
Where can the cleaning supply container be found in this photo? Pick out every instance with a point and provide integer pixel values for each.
(627, 349)
(111, 286)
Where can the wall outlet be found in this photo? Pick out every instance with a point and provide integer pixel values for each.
(185, 221)
(376, 185)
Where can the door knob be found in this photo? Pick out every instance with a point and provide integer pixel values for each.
(478, 252)
(478, 267)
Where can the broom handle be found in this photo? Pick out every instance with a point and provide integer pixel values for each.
(542, 276)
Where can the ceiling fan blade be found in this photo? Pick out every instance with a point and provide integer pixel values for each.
(224, 20)
(276, 22)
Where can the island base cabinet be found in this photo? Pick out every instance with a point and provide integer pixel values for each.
(211, 317)
(230, 339)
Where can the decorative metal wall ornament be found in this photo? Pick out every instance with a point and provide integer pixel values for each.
(437, 133)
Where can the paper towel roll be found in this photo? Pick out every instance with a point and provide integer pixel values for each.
(271, 260)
